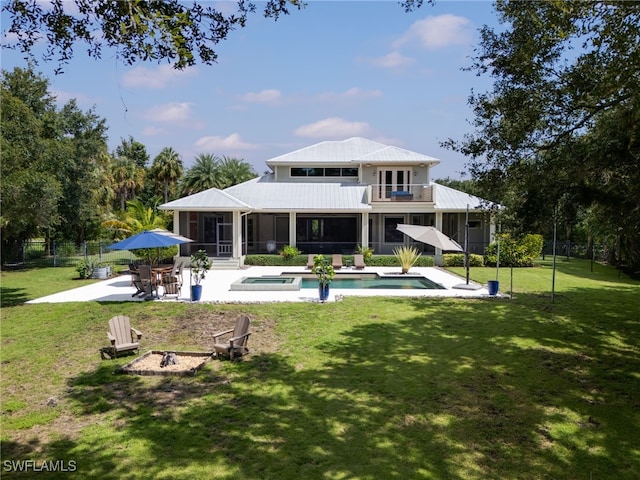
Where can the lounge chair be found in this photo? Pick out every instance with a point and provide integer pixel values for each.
(336, 261)
(123, 337)
(235, 346)
(310, 260)
(358, 261)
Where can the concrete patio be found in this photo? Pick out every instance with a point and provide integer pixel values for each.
(216, 288)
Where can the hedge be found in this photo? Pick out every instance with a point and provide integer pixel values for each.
(273, 260)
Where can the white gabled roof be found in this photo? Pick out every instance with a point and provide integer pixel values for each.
(448, 198)
(353, 150)
(213, 197)
(264, 194)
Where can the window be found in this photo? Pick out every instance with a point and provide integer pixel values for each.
(323, 172)
(391, 233)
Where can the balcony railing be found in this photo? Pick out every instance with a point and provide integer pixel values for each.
(407, 193)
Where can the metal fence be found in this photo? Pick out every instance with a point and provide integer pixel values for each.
(66, 254)
(596, 252)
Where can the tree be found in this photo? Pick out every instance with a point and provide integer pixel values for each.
(136, 29)
(126, 178)
(167, 170)
(204, 174)
(53, 165)
(234, 171)
(83, 171)
(134, 151)
(559, 128)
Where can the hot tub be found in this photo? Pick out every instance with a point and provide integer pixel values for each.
(267, 284)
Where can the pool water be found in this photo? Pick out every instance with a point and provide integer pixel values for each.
(267, 280)
(377, 282)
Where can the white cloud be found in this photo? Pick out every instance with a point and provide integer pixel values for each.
(155, 78)
(175, 112)
(150, 131)
(438, 32)
(233, 142)
(333, 127)
(390, 60)
(354, 93)
(264, 96)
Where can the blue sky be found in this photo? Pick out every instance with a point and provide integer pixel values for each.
(333, 70)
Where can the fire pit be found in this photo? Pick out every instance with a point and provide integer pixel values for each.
(186, 363)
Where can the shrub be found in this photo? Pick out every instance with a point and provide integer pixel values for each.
(266, 260)
(85, 269)
(366, 253)
(288, 252)
(457, 260)
(514, 253)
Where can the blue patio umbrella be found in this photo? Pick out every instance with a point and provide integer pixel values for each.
(149, 239)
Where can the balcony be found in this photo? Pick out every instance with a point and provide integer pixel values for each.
(406, 193)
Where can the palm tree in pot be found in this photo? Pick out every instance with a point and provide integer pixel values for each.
(324, 271)
(200, 265)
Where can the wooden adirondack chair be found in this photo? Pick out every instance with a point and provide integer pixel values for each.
(172, 282)
(123, 337)
(236, 346)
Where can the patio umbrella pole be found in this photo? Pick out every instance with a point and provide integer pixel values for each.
(466, 243)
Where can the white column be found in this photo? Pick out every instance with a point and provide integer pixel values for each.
(438, 255)
(364, 230)
(237, 234)
(292, 229)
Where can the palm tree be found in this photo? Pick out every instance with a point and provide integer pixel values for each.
(167, 170)
(234, 171)
(127, 177)
(137, 218)
(204, 174)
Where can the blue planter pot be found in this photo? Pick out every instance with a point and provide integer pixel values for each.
(493, 286)
(196, 293)
(323, 292)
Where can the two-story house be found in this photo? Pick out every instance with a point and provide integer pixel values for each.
(331, 197)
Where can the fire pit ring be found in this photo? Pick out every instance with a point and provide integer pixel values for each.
(187, 363)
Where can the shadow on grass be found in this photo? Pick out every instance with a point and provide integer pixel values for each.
(534, 390)
(11, 297)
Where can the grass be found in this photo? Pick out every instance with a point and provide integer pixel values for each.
(527, 388)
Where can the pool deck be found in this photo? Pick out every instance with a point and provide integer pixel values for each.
(216, 288)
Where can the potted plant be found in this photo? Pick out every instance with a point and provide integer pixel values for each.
(407, 256)
(101, 271)
(324, 271)
(200, 265)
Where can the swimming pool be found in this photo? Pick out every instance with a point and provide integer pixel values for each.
(374, 281)
(349, 281)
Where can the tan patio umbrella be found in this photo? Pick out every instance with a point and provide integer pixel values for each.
(430, 235)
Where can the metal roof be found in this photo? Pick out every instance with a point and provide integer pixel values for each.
(265, 194)
(448, 198)
(352, 150)
(213, 197)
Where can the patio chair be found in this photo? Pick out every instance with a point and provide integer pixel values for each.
(148, 281)
(310, 260)
(123, 337)
(358, 261)
(336, 261)
(236, 346)
(171, 283)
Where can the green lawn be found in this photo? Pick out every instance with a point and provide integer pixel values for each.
(374, 388)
